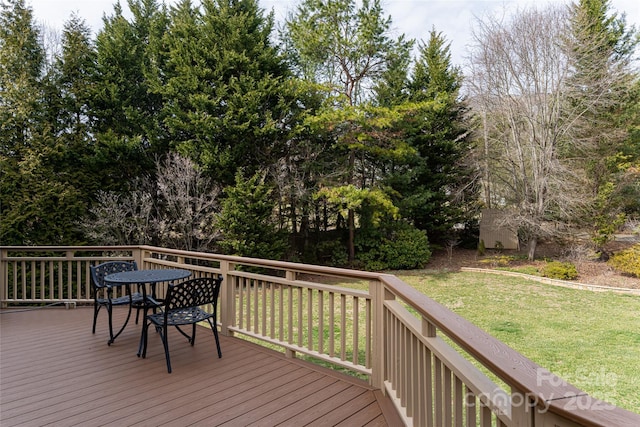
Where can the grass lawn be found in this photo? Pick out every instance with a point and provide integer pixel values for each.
(591, 339)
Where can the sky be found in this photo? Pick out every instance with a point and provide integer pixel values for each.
(415, 18)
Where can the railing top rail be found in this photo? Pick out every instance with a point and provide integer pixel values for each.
(69, 248)
(279, 265)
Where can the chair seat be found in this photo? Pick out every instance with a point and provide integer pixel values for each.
(182, 316)
(136, 298)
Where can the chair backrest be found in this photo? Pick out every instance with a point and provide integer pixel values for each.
(193, 293)
(99, 271)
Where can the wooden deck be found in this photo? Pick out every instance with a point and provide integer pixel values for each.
(54, 371)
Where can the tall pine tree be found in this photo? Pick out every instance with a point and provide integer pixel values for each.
(225, 104)
(21, 114)
(600, 51)
(435, 187)
(346, 47)
(123, 107)
(39, 202)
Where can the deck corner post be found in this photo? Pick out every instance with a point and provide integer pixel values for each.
(523, 409)
(138, 254)
(378, 294)
(227, 295)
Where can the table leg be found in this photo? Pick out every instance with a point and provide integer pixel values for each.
(146, 305)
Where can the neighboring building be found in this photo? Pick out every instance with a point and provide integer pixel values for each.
(494, 235)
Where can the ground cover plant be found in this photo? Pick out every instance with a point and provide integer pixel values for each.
(591, 339)
(627, 261)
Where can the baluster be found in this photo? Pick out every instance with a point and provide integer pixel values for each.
(332, 333)
(310, 318)
(470, 402)
(320, 321)
(356, 329)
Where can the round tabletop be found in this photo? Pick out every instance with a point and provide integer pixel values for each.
(146, 276)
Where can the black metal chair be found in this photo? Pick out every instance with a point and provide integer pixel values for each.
(103, 294)
(182, 306)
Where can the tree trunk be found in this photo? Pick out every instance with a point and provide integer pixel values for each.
(533, 243)
(487, 165)
(293, 215)
(352, 232)
(351, 218)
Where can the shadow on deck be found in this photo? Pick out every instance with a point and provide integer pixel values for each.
(54, 371)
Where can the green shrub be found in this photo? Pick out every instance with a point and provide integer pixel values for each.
(498, 260)
(333, 253)
(560, 270)
(627, 261)
(395, 246)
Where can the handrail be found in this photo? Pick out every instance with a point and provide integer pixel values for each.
(390, 333)
(546, 390)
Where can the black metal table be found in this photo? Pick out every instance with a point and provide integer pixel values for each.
(144, 278)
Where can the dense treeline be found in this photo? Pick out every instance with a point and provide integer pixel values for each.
(198, 127)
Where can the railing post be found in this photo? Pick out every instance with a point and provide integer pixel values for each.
(522, 409)
(542, 418)
(4, 277)
(378, 294)
(138, 256)
(227, 296)
(428, 328)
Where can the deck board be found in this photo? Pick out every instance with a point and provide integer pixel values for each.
(54, 371)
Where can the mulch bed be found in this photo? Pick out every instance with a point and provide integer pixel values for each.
(590, 271)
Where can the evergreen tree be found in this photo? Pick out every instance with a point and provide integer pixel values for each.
(225, 102)
(21, 64)
(441, 184)
(123, 106)
(76, 80)
(601, 48)
(123, 103)
(246, 220)
(21, 68)
(346, 48)
(393, 87)
(39, 202)
(433, 186)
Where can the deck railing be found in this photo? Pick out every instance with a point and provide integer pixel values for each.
(434, 365)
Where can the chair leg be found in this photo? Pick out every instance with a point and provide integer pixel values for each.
(142, 352)
(163, 336)
(139, 308)
(193, 335)
(110, 313)
(112, 336)
(165, 342)
(214, 328)
(142, 347)
(96, 308)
